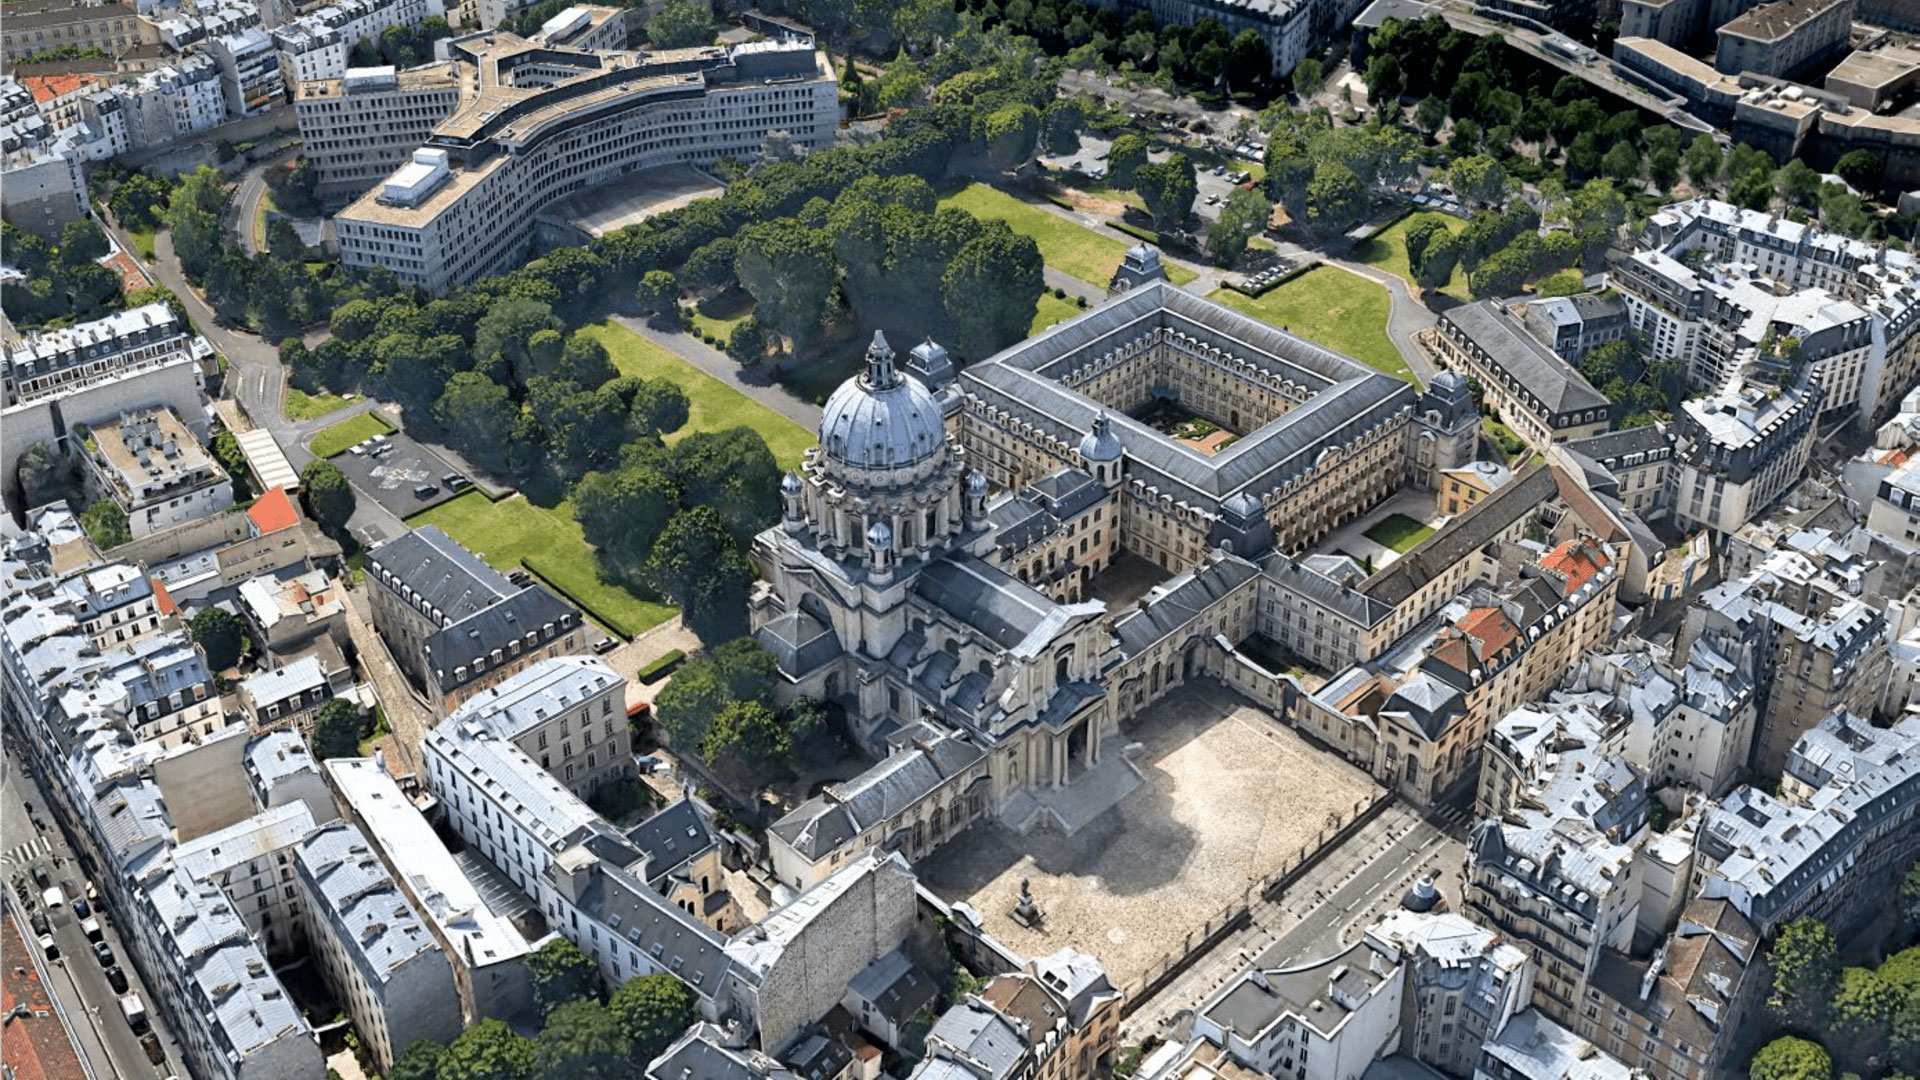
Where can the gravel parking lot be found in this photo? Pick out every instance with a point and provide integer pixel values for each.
(392, 478)
(1230, 796)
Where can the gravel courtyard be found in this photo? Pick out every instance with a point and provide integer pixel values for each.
(1230, 797)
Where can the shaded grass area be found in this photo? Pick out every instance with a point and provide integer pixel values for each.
(1388, 251)
(714, 406)
(142, 243)
(1067, 247)
(300, 405)
(1327, 305)
(546, 540)
(1399, 532)
(1052, 309)
(716, 316)
(335, 438)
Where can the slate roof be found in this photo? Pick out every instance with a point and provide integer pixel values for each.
(800, 641)
(1557, 385)
(1006, 610)
(649, 924)
(1180, 601)
(988, 1044)
(897, 990)
(378, 927)
(845, 810)
(1304, 577)
(669, 838)
(1610, 448)
(1347, 397)
(451, 579)
(528, 611)
(1471, 530)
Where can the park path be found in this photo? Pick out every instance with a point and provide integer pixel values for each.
(751, 382)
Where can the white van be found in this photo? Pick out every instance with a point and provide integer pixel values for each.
(53, 899)
(135, 1012)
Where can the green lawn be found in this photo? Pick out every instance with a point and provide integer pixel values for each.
(1327, 305)
(142, 242)
(715, 405)
(1399, 532)
(300, 405)
(513, 533)
(1052, 310)
(1388, 251)
(1067, 247)
(335, 438)
(720, 330)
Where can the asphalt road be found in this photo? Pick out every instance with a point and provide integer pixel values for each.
(77, 982)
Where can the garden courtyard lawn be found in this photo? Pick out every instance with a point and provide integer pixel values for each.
(1388, 251)
(1067, 247)
(513, 532)
(715, 406)
(1327, 305)
(335, 438)
(1052, 309)
(300, 405)
(1399, 532)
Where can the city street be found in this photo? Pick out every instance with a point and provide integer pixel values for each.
(77, 982)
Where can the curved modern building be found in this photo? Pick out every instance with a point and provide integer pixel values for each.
(538, 122)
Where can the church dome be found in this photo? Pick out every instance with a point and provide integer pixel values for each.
(881, 419)
(1101, 444)
(1448, 381)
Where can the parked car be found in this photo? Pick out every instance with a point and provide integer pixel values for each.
(648, 764)
(39, 924)
(424, 491)
(358, 450)
(53, 898)
(156, 1054)
(135, 1011)
(117, 979)
(40, 875)
(48, 946)
(454, 481)
(81, 909)
(103, 953)
(90, 926)
(604, 646)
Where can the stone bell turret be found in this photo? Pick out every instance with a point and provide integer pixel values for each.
(880, 553)
(976, 500)
(792, 502)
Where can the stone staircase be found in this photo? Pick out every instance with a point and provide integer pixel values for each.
(1069, 809)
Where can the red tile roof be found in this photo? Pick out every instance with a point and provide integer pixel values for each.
(163, 599)
(1575, 561)
(48, 87)
(132, 278)
(273, 511)
(1491, 627)
(35, 1045)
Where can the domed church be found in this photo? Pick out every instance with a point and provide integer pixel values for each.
(932, 569)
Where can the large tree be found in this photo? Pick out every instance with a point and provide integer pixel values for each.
(421, 1061)
(328, 496)
(1862, 1014)
(583, 1040)
(106, 524)
(733, 472)
(681, 24)
(789, 269)
(559, 972)
(705, 686)
(747, 730)
(1806, 974)
(1010, 134)
(621, 511)
(652, 1010)
(478, 415)
(489, 1050)
(1168, 187)
(1127, 153)
(697, 564)
(991, 290)
(336, 730)
(1788, 1058)
(1243, 217)
(43, 475)
(220, 634)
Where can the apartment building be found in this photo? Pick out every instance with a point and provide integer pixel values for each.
(44, 187)
(38, 25)
(1784, 37)
(384, 966)
(316, 45)
(1640, 460)
(1069, 1010)
(178, 99)
(464, 207)
(358, 128)
(249, 71)
(251, 862)
(1541, 396)
(1724, 290)
(1463, 985)
(1830, 847)
(1895, 510)
(566, 712)
(153, 468)
(1737, 450)
(456, 625)
(1327, 1018)
(1573, 326)
(487, 952)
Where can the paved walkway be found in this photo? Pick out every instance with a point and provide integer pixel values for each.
(748, 381)
(407, 715)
